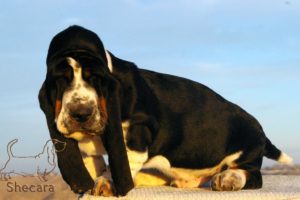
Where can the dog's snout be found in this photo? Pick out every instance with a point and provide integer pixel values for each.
(81, 113)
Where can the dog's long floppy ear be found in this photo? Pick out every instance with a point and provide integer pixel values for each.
(69, 160)
(114, 142)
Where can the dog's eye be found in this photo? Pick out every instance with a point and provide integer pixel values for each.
(68, 74)
(63, 71)
(86, 73)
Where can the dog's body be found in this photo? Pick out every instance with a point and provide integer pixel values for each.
(179, 123)
(39, 165)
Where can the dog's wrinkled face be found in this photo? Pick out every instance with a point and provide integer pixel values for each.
(81, 108)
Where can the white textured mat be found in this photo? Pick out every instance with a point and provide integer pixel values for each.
(275, 187)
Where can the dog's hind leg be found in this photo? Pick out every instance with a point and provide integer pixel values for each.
(246, 175)
(253, 174)
(158, 171)
(192, 178)
(229, 180)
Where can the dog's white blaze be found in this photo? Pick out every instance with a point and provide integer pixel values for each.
(109, 61)
(136, 159)
(285, 159)
(79, 90)
(80, 87)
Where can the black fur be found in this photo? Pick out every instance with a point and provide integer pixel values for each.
(184, 121)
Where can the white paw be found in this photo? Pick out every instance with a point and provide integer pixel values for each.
(229, 180)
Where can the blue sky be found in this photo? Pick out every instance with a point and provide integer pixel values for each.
(248, 51)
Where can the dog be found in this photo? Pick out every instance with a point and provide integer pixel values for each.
(39, 165)
(175, 131)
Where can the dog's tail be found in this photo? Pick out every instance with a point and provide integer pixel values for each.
(272, 152)
(9, 145)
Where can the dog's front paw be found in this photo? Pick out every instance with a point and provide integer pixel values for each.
(229, 180)
(103, 187)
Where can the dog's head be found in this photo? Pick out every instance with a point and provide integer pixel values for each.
(77, 75)
(80, 96)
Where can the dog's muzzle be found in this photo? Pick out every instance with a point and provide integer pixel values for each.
(83, 118)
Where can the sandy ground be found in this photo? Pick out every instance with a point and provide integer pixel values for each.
(28, 188)
(19, 188)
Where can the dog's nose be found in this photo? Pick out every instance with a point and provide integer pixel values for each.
(81, 113)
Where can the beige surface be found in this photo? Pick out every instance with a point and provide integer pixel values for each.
(275, 187)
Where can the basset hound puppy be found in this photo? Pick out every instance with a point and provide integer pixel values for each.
(157, 129)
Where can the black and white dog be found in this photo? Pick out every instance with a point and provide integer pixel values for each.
(93, 100)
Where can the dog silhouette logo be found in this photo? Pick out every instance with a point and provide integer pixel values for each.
(38, 166)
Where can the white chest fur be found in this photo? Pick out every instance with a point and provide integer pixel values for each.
(92, 151)
(91, 146)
